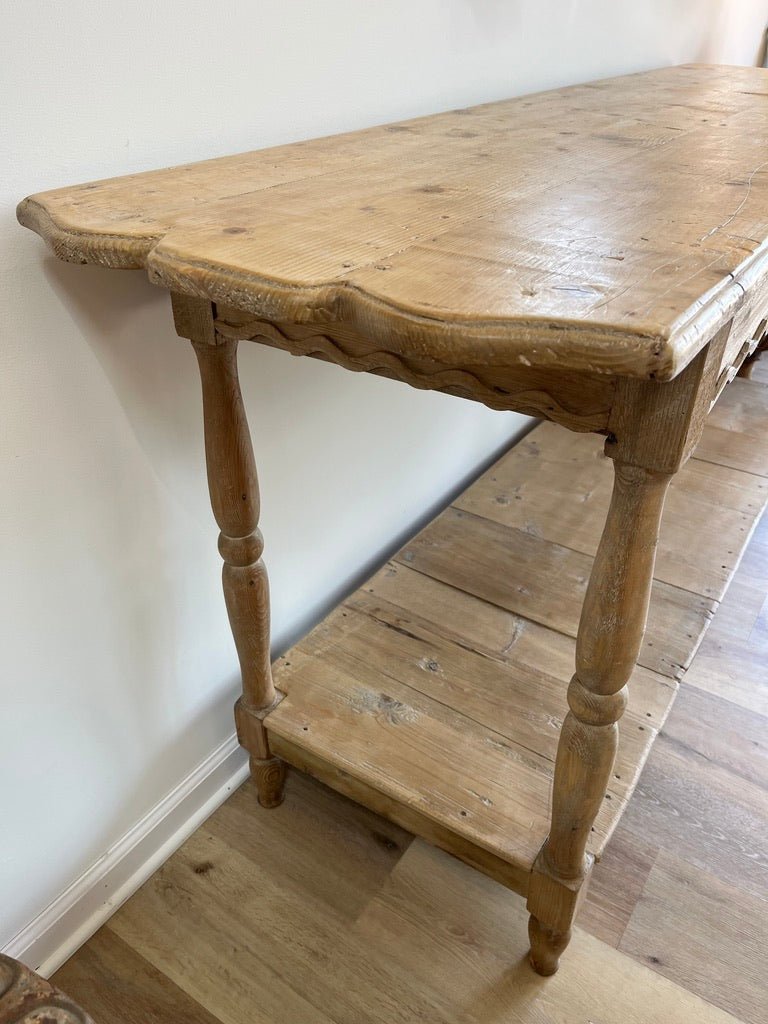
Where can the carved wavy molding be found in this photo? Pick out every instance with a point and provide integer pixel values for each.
(567, 398)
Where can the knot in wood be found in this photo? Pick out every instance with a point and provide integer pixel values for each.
(241, 551)
(596, 708)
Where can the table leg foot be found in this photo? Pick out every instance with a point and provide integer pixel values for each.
(546, 947)
(269, 776)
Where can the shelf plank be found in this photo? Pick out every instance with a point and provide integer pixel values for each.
(546, 582)
(558, 489)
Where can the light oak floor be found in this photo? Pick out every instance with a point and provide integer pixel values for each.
(320, 911)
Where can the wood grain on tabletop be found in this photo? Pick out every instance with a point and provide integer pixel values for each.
(584, 267)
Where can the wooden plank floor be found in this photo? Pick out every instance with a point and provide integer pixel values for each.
(320, 911)
(435, 693)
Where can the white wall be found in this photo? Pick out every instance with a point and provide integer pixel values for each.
(118, 672)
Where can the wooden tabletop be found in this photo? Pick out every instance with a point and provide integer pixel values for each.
(611, 227)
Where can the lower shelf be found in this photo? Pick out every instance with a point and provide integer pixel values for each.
(434, 694)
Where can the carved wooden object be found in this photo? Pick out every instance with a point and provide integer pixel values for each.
(26, 998)
(234, 491)
(654, 429)
(576, 400)
(610, 633)
(595, 256)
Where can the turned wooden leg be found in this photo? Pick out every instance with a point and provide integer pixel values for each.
(234, 492)
(653, 429)
(610, 632)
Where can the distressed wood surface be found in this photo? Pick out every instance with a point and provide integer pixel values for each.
(612, 227)
(547, 582)
(535, 490)
(577, 400)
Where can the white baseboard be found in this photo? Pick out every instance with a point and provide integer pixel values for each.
(56, 933)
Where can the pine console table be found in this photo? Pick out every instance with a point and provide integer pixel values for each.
(594, 256)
